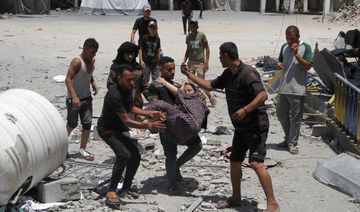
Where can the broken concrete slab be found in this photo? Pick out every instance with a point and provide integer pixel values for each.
(65, 189)
(342, 172)
(326, 64)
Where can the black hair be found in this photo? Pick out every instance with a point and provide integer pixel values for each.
(231, 50)
(193, 86)
(91, 43)
(293, 28)
(126, 47)
(165, 60)
(119, 69)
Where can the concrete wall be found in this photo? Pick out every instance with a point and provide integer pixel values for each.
(251, 5)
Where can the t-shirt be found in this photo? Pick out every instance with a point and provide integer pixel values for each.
(150, 47)
(142, 25)
(241, 89)
(158, 91)
(186, 7)
(197, 45)
(293, 79)
(116, 101)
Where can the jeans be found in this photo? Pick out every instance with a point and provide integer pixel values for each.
(127, 155)
(153, 70)
(172, 164)
(290, 122)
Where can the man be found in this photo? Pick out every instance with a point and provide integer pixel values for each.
(112, 124)
(186, 13)
(245, 96)
(198, 61)
(295, 60)
(149, 52)
(142, 23)
(78, 98)
(158, 91)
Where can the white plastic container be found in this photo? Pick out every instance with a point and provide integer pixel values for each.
(33, 141)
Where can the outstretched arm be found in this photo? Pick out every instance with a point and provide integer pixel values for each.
(169, 86)
(199, 81)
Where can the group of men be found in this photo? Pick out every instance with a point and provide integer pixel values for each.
(245, 96)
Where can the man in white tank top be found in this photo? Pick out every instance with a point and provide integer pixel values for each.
(78, 98)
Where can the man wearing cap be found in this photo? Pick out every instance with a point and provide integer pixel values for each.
(142, 23)
(198, 61)
(149, 52)
(245, 96)
(186, 13)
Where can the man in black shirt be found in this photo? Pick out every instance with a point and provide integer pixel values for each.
(245, 96)
(158, 91)
(186, 13)
(112, 126)
(142, 23)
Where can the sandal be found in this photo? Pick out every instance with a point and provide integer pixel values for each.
(293, 149)
(213, 101)
(86, 155)
(132, 192)
(175, 191)
(228, 203)
(112, 202)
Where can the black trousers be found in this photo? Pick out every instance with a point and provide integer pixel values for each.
(127, 155)
(185, 20)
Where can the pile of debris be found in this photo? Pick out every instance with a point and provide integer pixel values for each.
(347, 14)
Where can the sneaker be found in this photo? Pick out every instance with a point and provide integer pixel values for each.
(175, 191)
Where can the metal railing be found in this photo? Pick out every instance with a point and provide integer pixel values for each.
(347, 107)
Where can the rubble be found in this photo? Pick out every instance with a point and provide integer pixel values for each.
(349, 14)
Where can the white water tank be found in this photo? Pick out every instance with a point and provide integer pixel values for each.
(33, 141)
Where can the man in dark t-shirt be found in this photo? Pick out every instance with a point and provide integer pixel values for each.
(186, 14)
(142, 23)
(158, 91)
(245, 96)
(112, 126)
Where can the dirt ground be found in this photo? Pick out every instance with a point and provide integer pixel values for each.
(34, 49)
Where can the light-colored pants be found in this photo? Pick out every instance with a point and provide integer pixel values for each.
(290, 122)
(197, 68)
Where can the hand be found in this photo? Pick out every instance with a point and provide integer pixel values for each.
(202, 96)
(279, 65)
(206, 67)
(239, 115)
(143, 64)
(158, 126)
(157, 115)
(95, 89)
(160, 80)
(133, 41)
(185, 70)
(295, 47)
(76, 102)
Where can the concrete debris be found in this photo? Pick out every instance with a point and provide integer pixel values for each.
(65, 189)
(349, 14)
(341, 172)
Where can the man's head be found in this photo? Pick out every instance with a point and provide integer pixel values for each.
(125, 76)
(292, 35)
(167, 68)
(228, 53)
(90, 48)
(146, 11)
(194, 26)
(152, 27)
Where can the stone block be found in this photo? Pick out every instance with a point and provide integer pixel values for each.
(65, 189)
